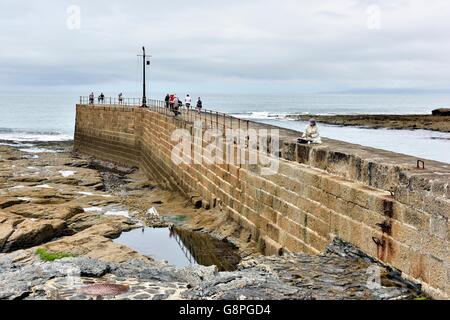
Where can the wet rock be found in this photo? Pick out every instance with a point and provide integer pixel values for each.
(87, 267)
(292, 276)
(248, 284)
(16, 284)
(196, 275)
(140, 185)
(144, 270)
(6, 202)
(6, 230)
(41, 194)
(31, 233)
(17, 279)
(37, 211)
(343, 249)
(107, 226)
(28, 179)
(94, 242)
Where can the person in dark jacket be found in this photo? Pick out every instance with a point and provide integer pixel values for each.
(166, 100)
(199, 105)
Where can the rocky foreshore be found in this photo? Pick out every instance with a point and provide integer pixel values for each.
(377, 121)
(59, 214)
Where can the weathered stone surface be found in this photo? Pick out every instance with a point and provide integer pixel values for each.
(17, 279)
(28, 233)
(36, 211)
(336, 275)
(90, 244)
(246, 285)
(6, 202)
(195, 276)
(6, 230)
(88, 267)
(299, 276)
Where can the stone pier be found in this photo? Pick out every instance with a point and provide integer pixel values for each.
(380, 201)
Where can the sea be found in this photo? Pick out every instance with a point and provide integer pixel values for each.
(26, 118)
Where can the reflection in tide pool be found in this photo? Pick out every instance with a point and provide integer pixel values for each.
(424, 144)
(181, 248)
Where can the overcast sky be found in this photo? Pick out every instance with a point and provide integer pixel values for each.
(233, 46)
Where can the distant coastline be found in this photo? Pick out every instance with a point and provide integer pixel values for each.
(378, 121)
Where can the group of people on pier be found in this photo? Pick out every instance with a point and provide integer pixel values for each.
(173, 103)
(101, 98)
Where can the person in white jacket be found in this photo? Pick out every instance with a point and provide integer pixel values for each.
(187, 102)
(311, 134)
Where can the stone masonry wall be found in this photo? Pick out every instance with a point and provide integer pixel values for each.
(371, 198)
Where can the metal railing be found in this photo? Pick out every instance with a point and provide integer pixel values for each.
(132, 102)
(186, 251)
(210, 118)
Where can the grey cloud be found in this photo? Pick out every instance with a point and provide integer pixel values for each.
(324, 45)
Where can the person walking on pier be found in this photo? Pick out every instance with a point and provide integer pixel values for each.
(101, 98)
(91, 98)
(166, 100)
(199, 105)
(171, 99)
(187, 102)
(311, 134)
(120, 98)
(176, 105)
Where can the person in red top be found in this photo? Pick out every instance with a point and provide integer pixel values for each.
(171, 101)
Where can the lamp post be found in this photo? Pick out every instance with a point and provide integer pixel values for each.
(144, 64)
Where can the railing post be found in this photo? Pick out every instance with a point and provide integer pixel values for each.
(239, 127)
(248, 137)
(217, 121)
(211, 118)
(224, 124)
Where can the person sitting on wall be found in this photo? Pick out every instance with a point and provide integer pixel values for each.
(311, 134)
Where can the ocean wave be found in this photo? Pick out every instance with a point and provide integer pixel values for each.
(261, 115)
(13, 136)
(39, 150)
